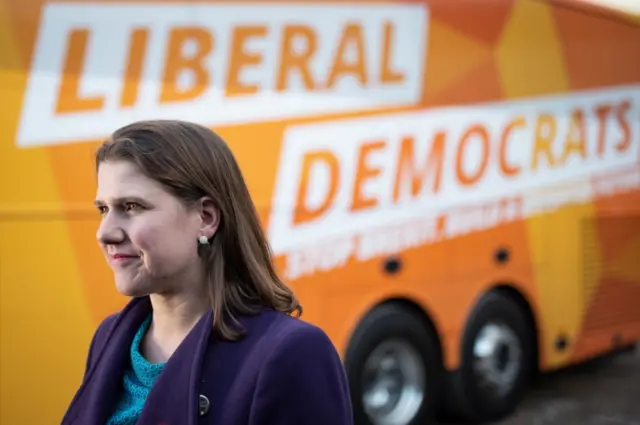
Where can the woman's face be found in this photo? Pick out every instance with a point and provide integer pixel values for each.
(148, 237)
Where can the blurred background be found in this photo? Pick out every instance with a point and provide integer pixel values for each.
(452, 188)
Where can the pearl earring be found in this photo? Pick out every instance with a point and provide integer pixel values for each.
(203, 240)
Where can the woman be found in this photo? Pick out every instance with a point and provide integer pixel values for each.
(208, 337)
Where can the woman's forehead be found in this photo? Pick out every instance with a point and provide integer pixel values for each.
(122, 179)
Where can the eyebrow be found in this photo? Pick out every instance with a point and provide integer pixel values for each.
(122, 200)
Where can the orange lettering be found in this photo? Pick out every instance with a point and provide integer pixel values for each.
(291, 60)
(406, 166)
(133, 70)
(240, 59)
(351, 36)
(544, 136)
(388, 75)
(602, 112)
(69, 99)
(475, 130)
(507, 169)
(365, 172)
(623, 122)
(177, 62)
(302, 213)
(575, 141)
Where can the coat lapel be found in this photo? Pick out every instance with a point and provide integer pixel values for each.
(174, 396)
(100, 391)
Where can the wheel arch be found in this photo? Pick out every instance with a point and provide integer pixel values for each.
(415, 307)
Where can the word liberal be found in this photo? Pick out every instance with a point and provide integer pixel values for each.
(99, 66)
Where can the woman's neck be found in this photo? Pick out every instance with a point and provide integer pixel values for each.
(174, 316)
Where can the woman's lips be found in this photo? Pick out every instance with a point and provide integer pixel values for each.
(122, 258)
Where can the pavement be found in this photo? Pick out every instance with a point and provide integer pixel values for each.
(600, 392)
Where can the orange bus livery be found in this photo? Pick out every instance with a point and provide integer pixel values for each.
(452, 187)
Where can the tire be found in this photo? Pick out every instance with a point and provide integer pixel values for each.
(502, 324)
(403, 331)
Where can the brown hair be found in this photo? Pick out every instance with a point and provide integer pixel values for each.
(192, 161)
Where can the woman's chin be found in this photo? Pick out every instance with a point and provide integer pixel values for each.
(130, 289)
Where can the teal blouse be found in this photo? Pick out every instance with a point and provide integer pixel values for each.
(137, 382)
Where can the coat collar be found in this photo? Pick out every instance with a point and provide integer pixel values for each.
(168, 399)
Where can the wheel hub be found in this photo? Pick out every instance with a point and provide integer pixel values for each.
(393, 383)
(497, 358)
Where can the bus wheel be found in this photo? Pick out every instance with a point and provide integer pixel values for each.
(394, 368)
(497, 360)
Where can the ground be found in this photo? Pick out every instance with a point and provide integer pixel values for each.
(601, 392)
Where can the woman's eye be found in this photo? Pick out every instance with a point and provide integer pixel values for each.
(102, 210)
(132, 206)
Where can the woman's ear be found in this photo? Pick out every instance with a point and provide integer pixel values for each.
(209, 216)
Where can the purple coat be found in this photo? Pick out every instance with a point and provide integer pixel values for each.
(284, 372)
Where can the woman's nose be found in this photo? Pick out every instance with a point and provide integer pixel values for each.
(110, 232)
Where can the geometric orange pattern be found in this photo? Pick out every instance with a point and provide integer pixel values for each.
(614, 301)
